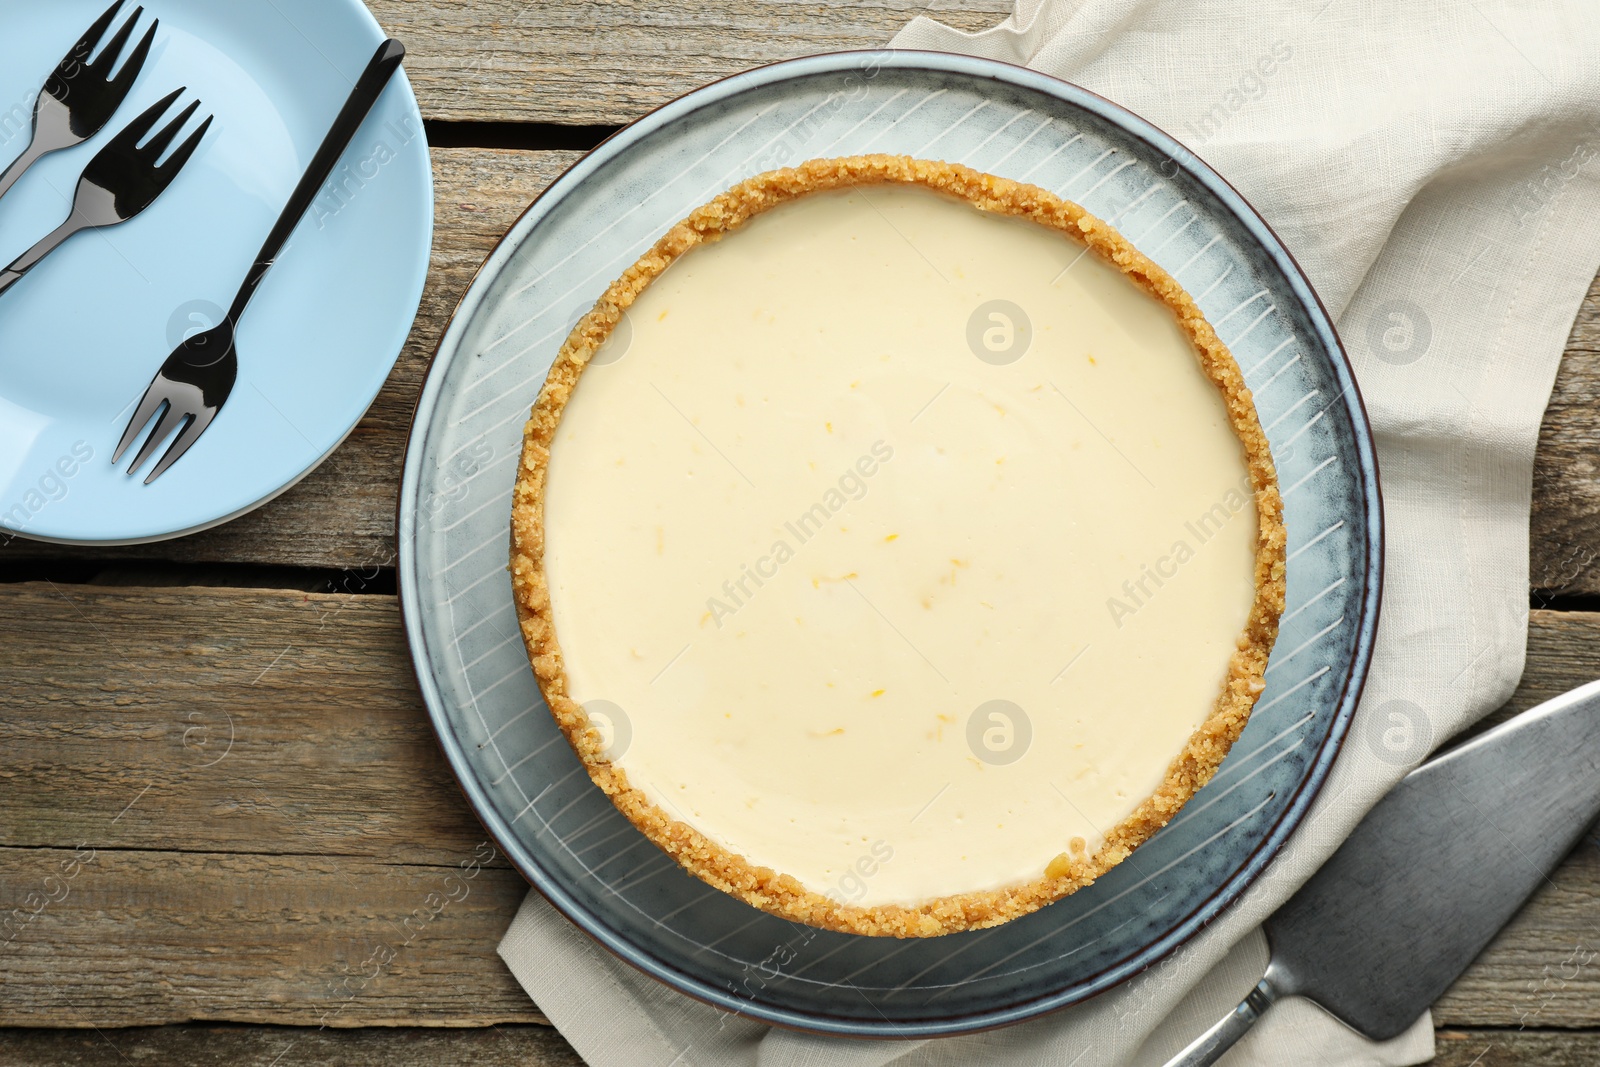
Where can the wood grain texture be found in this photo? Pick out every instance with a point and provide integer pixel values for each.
(245, 883)
(1543, 970)
(226, 805)
(1565, 527)
(275, 836)
(1515, 1048)
(537, 1046)
(97, 937)
(225, 1046)
(243, 721)
(342, 515)
(610, 62)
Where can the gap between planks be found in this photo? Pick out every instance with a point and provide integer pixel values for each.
(342, 516)
(536, 1046)
(247, 887)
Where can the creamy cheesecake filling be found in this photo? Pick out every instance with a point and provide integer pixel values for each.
(903, 545)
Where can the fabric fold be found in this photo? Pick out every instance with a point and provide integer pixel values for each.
(1431, 168)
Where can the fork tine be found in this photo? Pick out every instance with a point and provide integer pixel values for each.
(92, 35)
(181, 154)
(135, 62)
(158, 144)
(166, 424)
(148, 404)
(113, 49)
(189, 435)
(134, 132)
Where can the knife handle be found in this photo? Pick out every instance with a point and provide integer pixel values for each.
(374, 79)
(1209, 1047)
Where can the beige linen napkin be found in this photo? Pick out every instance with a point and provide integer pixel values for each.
(1430, 164)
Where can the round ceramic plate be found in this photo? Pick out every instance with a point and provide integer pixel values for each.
(83, 334)
(455, 504)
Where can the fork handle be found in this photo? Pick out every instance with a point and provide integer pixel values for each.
(20, 165)
(29, 259)
(385, 61)
(52, 131)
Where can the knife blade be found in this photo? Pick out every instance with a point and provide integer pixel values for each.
(1430, 876)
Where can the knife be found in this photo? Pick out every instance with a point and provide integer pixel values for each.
(1430, 876)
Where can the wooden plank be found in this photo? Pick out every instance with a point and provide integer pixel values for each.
(342, 516)
(237, 883)
(1516, 1048)
(608, 63)
(1565, 527)
(1544, 968)
(210, 1046)
(227, 805)
(1561, 656)
(252, 722)
(538, 1046)
(106, 938)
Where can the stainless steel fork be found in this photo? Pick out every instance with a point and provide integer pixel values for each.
(119, 182)
(80, 97)
(197, 378)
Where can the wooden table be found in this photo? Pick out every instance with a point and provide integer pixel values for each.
(220, 798)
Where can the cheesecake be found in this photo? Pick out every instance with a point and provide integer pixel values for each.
(897, 546)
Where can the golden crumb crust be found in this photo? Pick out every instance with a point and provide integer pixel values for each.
(774, 891)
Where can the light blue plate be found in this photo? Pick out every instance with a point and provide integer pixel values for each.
(455, 505)
(82, 335)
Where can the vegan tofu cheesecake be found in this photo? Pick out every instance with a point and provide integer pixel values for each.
(897, 546)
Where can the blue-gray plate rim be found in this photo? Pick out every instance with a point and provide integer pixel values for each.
(761, 975)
